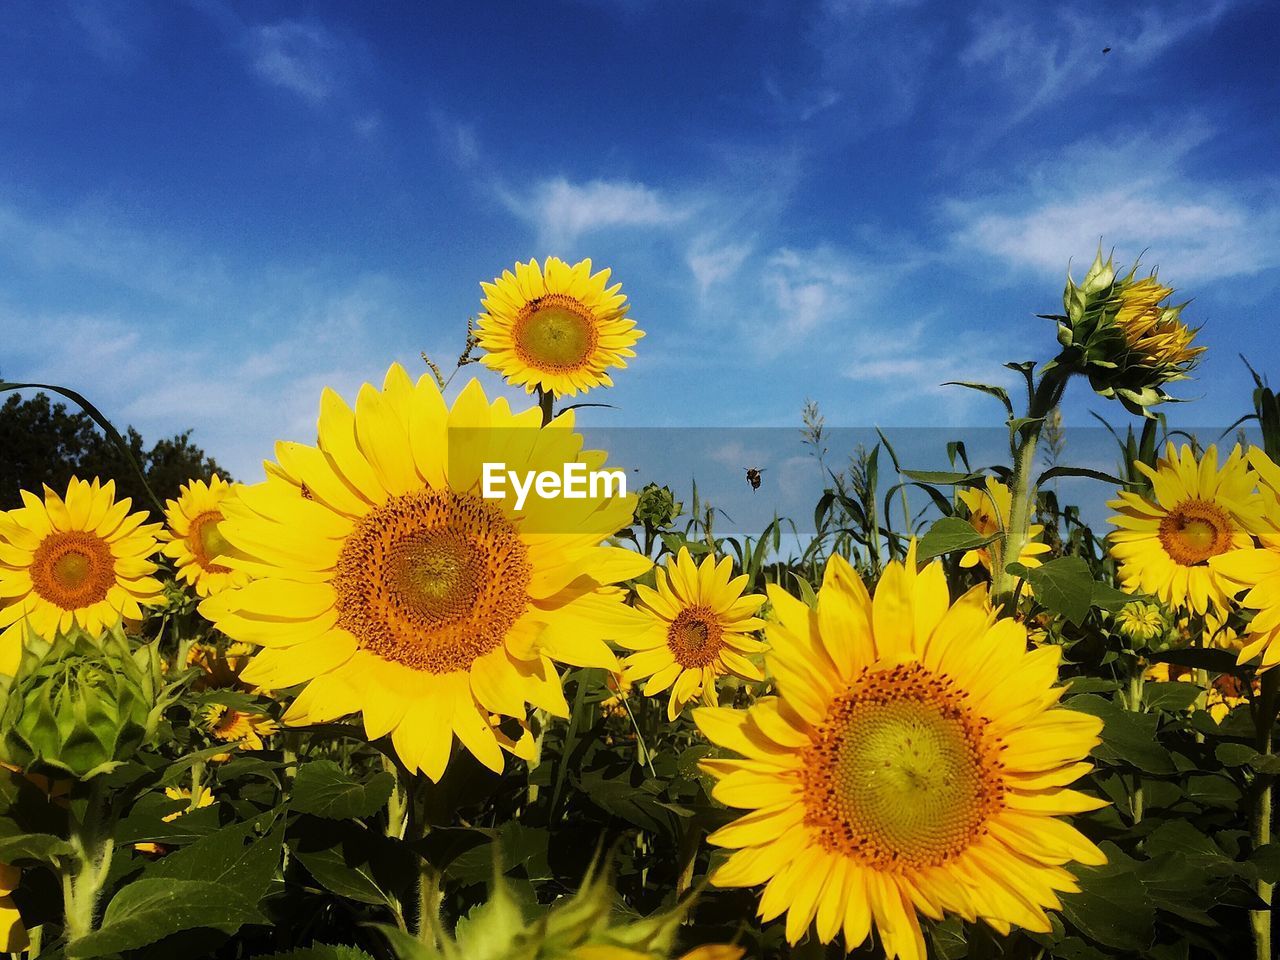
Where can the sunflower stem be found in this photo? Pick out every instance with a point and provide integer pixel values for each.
(1136, 684)
(546, 403)
(90, 861)
(1265, 720)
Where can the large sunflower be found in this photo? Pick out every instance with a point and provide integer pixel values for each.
(390, 587)
(699, 626)
(82, 561)
(193, 540)
(558, 328)
(1258, 571)
(915, 761)
(1200, 511)
(989, 509)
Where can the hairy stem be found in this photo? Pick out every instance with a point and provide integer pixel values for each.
(85, 871)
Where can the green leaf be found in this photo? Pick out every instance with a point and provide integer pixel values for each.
(351, 861)
(1172, 696)
(150, 909)
(1000, 393)
(1107, 597)
(1204, 856)
(941, 476)
(236, 855)
(1127, 737)
(1235, 754)
(1112, 907)
(324, 789)
(320, 951)
(1054, 472)
(32, 846)
(948, 535)
(1064, 586)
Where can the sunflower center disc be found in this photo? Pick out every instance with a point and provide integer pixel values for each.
(206, 542)
(694, 637)
(900, 774)
(555, 332)
(72, 569)
(432, 580)
(1194, 531)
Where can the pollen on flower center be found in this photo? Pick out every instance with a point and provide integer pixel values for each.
(206, 542)
(72, 569)
(432, 580)
(901, 773)
(1194, 531)
(694, 637)
(555, 332)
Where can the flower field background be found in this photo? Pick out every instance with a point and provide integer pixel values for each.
(355, 709)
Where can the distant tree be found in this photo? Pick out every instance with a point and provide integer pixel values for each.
(43, 442)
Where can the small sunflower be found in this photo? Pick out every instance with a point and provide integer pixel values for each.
(246, 730)
(390, 586)
(1257, 570)
(989, 514)
(1225, 691)
(1200, 511)
(699, 626)
(558, 329)
(81, 561)
(13, 934)
(619, 687)
(1141, 622)
(915, 761)
(221, 664)
(193, 540)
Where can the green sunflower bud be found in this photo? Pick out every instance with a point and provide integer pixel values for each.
(585, 926)
(657, 506)
(1122, 333)
(78, 707)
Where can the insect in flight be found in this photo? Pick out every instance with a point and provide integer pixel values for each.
(753, 476)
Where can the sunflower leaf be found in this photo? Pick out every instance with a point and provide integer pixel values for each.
(324, 789)
(949, 535)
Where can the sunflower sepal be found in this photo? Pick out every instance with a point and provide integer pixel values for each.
(79, 706)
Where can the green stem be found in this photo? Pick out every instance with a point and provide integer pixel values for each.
(90, 862)
(1265, 719)
(1136, 684)
(546, 403)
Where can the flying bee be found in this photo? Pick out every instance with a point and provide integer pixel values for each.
(753, 477)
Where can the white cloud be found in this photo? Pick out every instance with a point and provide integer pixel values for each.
(298, 56)
(1040, 54)
(562, 211)
(1134, 193)
(714, 260)
(917, 361)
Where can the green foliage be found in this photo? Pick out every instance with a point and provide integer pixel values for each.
(44, 443)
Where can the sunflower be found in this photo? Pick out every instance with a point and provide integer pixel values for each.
(1225, 691)
(557, 329)
(1258, 571)
(79, 561)
(391, 587)
(915, 760)
(1154, 332)
(203, 797)
(240, 727)
(1200, 511)
(989, 515)
(193, 540)
(699, 626)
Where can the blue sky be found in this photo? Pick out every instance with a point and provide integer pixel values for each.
(208, 209)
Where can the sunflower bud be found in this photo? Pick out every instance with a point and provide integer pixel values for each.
(657, 506)
(1123, 334)
(78, 707)
(584, 926)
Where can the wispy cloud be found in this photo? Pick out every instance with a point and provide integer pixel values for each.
(1038, 55)
(561, 211)
(1136, 191)
(299, 56)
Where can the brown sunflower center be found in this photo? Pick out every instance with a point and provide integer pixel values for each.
(1194, 531)
(901, 773)
(205, 542)
(555, 332)
(432, 580)
(73, 569)
(694, 637)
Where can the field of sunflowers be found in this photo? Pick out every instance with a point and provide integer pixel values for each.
(358, 710)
